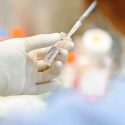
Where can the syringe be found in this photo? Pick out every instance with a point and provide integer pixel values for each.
(54, 51)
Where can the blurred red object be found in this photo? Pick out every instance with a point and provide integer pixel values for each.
(71, 57)
(17, 32)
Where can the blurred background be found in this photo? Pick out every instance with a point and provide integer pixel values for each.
(98, 56)
(41, 16)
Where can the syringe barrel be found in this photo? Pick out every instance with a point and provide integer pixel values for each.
(51, 56)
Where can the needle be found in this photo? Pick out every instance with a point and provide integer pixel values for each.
(82, 19)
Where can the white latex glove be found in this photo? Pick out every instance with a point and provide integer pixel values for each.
(21, 61)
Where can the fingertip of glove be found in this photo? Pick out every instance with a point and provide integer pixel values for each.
(63, 52)
(63, 35)
(72, 44)
(58, 64)
(58, 35)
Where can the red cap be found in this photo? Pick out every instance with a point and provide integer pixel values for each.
(18, 32)
(71, 57)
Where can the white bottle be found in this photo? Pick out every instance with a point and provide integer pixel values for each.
(94, 63)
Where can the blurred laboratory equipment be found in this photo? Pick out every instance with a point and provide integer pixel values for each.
(91, 71)
(94, 64)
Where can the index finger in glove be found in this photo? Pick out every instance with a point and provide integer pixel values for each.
(41, 53)
(41, 41)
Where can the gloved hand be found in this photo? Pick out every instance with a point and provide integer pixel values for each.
(21, 64)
